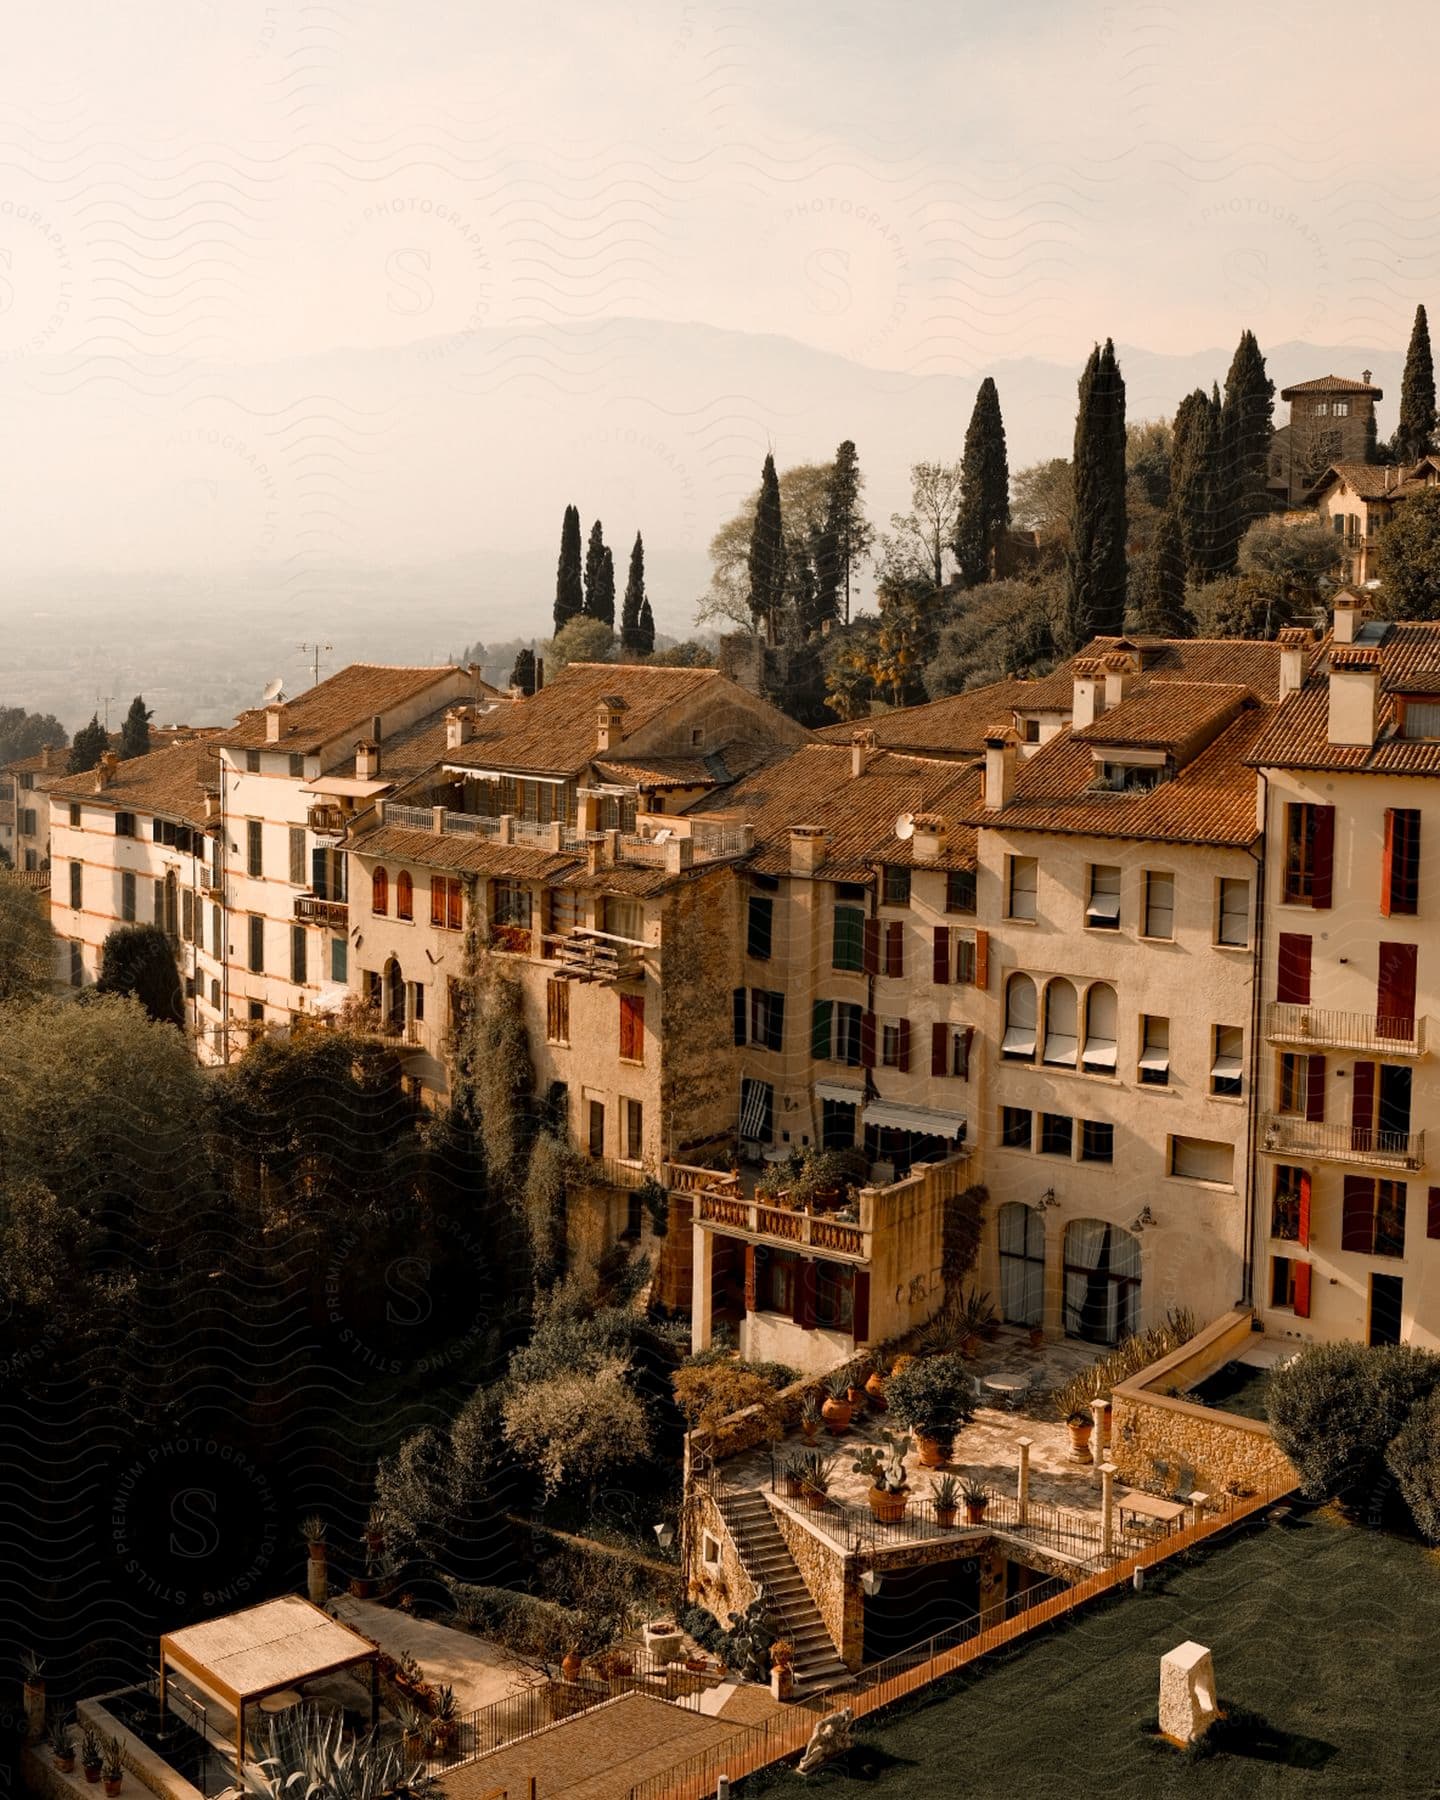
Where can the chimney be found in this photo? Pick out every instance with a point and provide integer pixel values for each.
(275, 721)
(105, 770)
(927, 844)
(367, 760)
(807, 848)
(1354, 694)
(1000, 754)
(45, 757)
(458, 722)
(1117, 676)
(1348, 616)
(1365, 376)
(862, 749)
(375, 730)
(1294, 642)
(609, 720)
(588, 813)
(1087, 698)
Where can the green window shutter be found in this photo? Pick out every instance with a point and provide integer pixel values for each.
(820, 1032)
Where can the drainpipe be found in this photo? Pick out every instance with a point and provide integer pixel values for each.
(1252, 1110)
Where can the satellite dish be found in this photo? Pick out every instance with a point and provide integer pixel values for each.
(275, 691)
(905, 826)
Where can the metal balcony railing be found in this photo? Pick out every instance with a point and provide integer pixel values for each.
(311, 909)
(1290, 1135)
(1326, 1029)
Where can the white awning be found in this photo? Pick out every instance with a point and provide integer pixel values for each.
(1019, 1040)
(1061, 1049)
(914, 1118)
(1153, 1057)
(1102, 906)
(1099, 1054)
(331, 998)
(840, 1092)
(1226, 1065)
(502, 775)
(347, 786)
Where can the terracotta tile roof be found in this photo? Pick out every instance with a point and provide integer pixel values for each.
(1243, 660)
(814, 786)
(635, 883)
(661, 771)
(460, 852)
(170, 782)
(554, 731)
(956, 725)
(1367, 480)
(160, 736)
(1209, 801)
(345, 701)
(1332, 384)
(1166, 715)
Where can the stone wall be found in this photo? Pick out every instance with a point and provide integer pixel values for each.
(832, 1580)
(148, 1767)
(721, 1590)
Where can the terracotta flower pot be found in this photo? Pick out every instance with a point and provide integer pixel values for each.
(113, 1783)
(855, 1394)
(945, 1517)
(92, 1772)
(875, 1391)
(64, 1764)
(934, 1451)
(1037, 1337)
(815, 1498)
(888, 1508)
(572, 1666)
(837, 1415)
(974, 1512)
(1080, 1439)
(794, 1486)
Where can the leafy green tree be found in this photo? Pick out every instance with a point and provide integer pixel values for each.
(984, 515)
(1005, 629)
(915, 547)
(522, 673)
(25, 734)
(583, 640)
(1245, 434)
(1149, 446)
(845, 536)
(569, 593)
(1097, 553)
(765, 560)
(1162, 610)
(1416, 433)
(138, 960)
(631, 626)
(91, 743)
(1043, 504)
(27, 944)
(599, 578)
(1408, 559)
(1197, 484)
(1413, 1458)
(1335, 1408)
(1297, 558)
(804, 495)
(1238, 606)
(135, 731)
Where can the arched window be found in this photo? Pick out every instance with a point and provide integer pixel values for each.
(1022, 1264)
(1062, 1034)
(393, 999)
(380, 893)
(1020, 1016)
(404, 896)
(1099, 1056)
(1102, 1281)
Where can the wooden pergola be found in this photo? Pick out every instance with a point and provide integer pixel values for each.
(243, 1657)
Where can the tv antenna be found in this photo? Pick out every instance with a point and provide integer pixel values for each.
(315, 652)
(104, 701)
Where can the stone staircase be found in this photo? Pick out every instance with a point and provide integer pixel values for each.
(767, 1561)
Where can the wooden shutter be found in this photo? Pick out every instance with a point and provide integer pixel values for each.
(437, 899)
(1395, 992)
(1303, 1232)
(904, 1046)
(804, 1314)
(941, 960)
(867, 1040)
(380, 895)
(939, 1049)
(821, 1031)
(1323, 883)
(737, 1013)
(1358, 1216)
(775, 1016)
(1432, 1213)
(1362, 1107)
(895, 948)
(454, 914)
(870, 940)
(1315, 1089)
(982, 961)
(1302, 1290)
(1387, 863)
(749, 1278)
(1292, 975)
(632, 1028)
(860, 1312)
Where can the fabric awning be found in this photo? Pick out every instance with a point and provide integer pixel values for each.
(1061, 1049)
(1019, 1040)
(840, 1092)
(1226, 1065)
(1102, 908)
(1155, 1057)
(1099, 1054)
(924, 1119)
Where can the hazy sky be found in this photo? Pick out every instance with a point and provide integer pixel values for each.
(200, 202)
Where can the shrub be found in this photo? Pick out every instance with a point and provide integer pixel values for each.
(575, 1426)
(1127, 1359)
(1335, 1407)
(935, 1396)
(709, 1392)
(1413, 1458)
(704, 1627)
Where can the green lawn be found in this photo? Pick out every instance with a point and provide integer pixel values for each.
(1330, 1634)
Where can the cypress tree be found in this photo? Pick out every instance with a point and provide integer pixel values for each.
(634, 598)
(645, 637)
(845, 537)
(765, 563)
(1196, 484)
(604, 607)
(594, 571)
(1162, 608)
(1246, 431)
(89, 745)
(569, 595)
(135, 732)
(1416, 433)
(522, 675)
(1097, 554)
(985, 490)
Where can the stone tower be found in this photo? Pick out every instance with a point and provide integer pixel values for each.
(1331, 421)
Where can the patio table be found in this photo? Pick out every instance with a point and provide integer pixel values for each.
(1008, 1388)
(1164, 1512)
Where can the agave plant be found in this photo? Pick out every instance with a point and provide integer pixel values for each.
(310, 1759)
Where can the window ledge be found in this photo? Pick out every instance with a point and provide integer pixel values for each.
(1013, 919)
(1194, 1181)
(1243, 949)
(1146, 937)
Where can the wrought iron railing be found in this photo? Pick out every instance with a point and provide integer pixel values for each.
(1288, 1134)
(1327, 1029)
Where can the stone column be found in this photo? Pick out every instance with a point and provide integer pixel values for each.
(1097, 1435)
(702, 1283)
(1022, 1486)
(1198, 1502)
(317, 1584)
(1107, 1506)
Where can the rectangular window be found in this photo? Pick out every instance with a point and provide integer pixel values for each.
(75, 815)
(960, 891)
(622, 918)
(767, 1019)
(187, 916)
(1201, 1159)
(1372, 1221)
(77, 878)
(447, 907)
(127, 897)
(339, 959)
(1022, 887)
(1233, 920)
(252, 762)
(634, 1130)
(848, 948)
(760, 927)
(125, 824)
(896, 887)
(1282, 1280)
(1159, 903)
(1286, 1204)
(297, 856)
(254, 856)
(1103, 911)
(595, 1127)
(27, 825)
(1400, 862)
(257, 943)
(950, 1050)
(510, 904)
(1309, 854)
(298, 957)
(1226, 1062)
(632, 1028)
(557, 1012)
(849, 1034)
(1057, 1134)
(1097, 1141)
(1154, 1050)
(890, 1044)
(1016, 1127)
(297, 764)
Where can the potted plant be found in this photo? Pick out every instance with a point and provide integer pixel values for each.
(809, 1419)
(375, 1529)
(572, 1664)
(875, 1392)
(782, 1669)
(112, 1766)
(855, 1384)
(815, 1487)
(889, 1486)
(1081, 1424)
(837, 1410)
(414, 1729)
(62, 1746)
(1037, 1337)
(976, 1500)
(792, 1474)
(91, 1755)
(935, 1398)
(976, 1317)
(947, 1500)
(447, 1718)
(34, 1667)
(312, 1530)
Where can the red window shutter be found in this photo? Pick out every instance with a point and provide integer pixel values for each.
(871, 943)
(939, 1049)
(453, 915)
(437, 899)
(904, 1046)
(895, 948)
(982, 961)
(1304, 1228)
(1302, 1290)
(1362, 1107)
(1387, 863)
(860, 1317)
(1315, 1089)
(1358, 1215)
(749, 1278)
(1432, 1213)
(1292, 975)
(867, 1040)
(1395, 991)
(379, 892)
(805, 1294)
(632, 1028)
(1323, 885)
(942, 955)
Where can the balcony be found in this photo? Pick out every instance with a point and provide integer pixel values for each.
(312, 909)
(326, 821)
(585, 955)
(1287, 1134)
(211, 882)
(1318, 1028)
